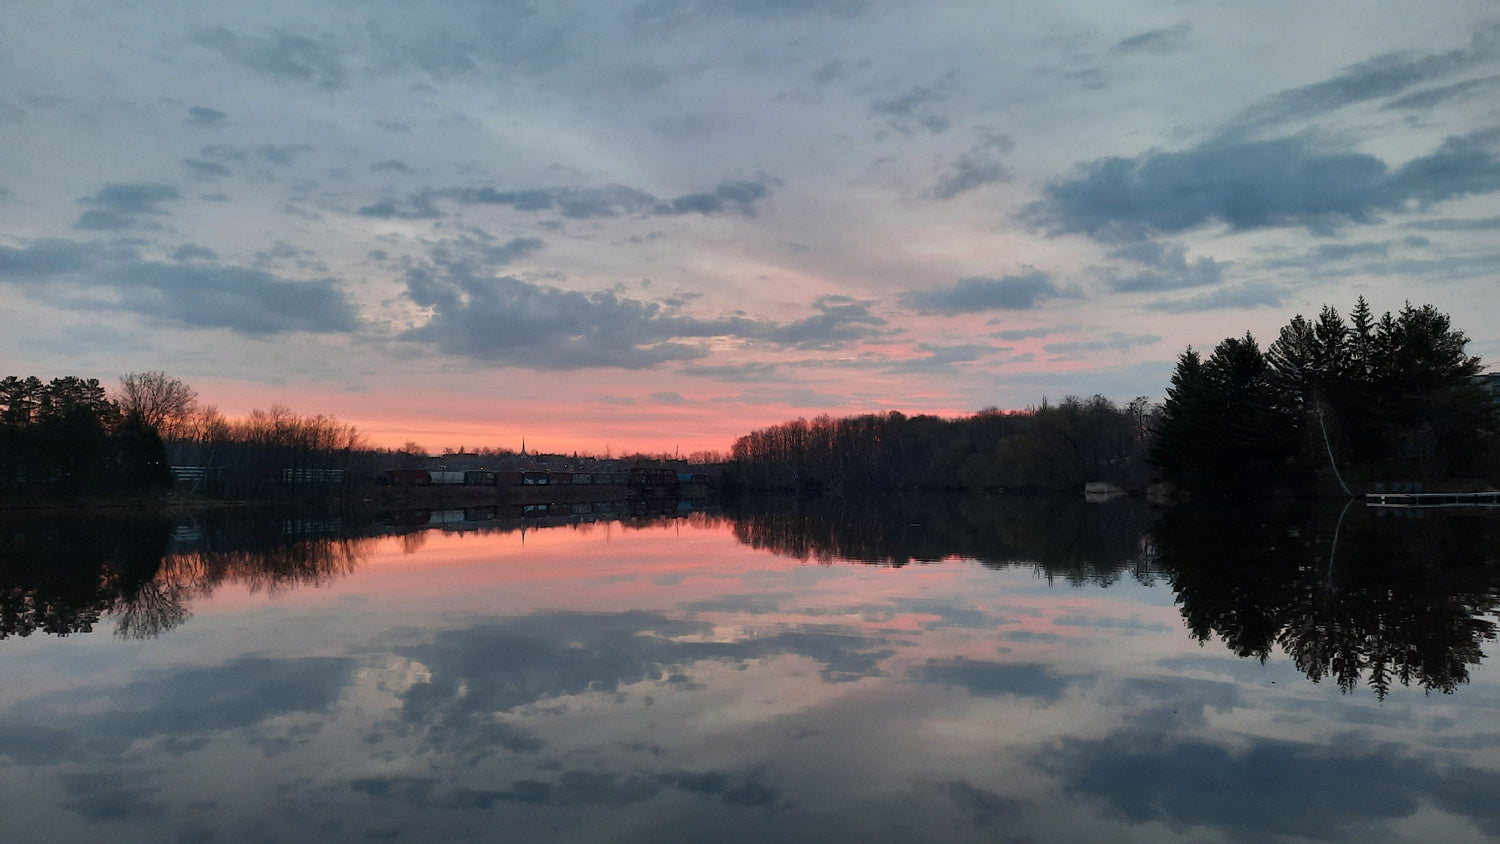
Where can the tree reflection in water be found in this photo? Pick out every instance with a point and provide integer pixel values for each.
(1062, 538)
(1359, 596)
(1354, 596)
(62, 575)
(1351, 595)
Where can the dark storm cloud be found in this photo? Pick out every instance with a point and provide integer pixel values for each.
(105, 721)
(285, 56)
(969, 295)
(206, 118)
(1255, 294)
(517, 322)
(982, 678)
(1167, 268)
(1169, 40)
(126, 206)
(390, 165)
(1268, 788)
(1383, 76)
(1282, 182)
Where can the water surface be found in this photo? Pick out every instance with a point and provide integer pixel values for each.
(960, 670)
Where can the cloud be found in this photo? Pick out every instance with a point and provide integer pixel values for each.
(911, 110)
(89, 722)
(47, 257)
(975, 168)
(1114, 341)
(1383, 76)
(1282, 182)
(479, 247)
(740, 372)
(206, 169)
(246, 301)
(1428, 99)
(938, 358)
(508, 320)
(193, 252)
(197, 294)
(840, 320)
(982, 678)
(126, 206)
(1168, 268)
(1012, 292)
(1159, 41)
(616, 200)
(283, 155)
(986, 808)
(206, 118)
(682, 11)
(288, 57)
(1255, 294)
(1024, 333)
(505, 666)
(390, 165)
(1445, 225)
(1151, 777)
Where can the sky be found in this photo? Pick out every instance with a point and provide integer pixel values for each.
(658, 225)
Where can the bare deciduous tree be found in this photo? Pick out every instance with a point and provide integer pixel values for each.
(158, 399)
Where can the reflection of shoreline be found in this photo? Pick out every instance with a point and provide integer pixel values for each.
(1062, 537)
(61, 575)
(1364, 599)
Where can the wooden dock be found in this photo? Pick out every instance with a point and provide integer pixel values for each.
(1414, 500)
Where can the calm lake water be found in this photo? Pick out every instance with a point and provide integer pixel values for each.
(975, 669)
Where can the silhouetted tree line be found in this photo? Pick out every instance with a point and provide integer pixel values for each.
(1051, 447)
(66, 438)
(1355, 597)
(1330, 401)
(272, 452)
